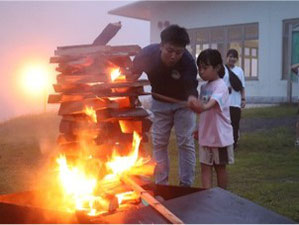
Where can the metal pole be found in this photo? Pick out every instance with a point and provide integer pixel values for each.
(289, 84)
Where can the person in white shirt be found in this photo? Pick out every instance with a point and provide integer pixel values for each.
(237, 98)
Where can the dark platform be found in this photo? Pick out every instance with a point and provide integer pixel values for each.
(191, 205)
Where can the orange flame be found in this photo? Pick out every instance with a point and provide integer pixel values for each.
(115, 75)
(89, 111)
(76, 184)
(126, 196)
(80, 184)
(119, 165)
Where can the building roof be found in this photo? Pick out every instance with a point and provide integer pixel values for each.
(138, 10)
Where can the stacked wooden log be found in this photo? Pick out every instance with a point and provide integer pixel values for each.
(84, 83)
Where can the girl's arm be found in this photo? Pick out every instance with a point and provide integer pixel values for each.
(197, 106)
(210, 104)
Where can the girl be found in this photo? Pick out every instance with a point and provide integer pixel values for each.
(215, 133)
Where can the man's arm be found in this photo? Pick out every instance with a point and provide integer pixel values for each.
(139, 65)
(190, 78)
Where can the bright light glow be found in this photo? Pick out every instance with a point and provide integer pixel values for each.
(82, 188)
(116, 75)
(89, 111)
(35, 78)
(120, 164)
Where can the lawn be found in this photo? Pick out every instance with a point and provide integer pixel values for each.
(266, 169)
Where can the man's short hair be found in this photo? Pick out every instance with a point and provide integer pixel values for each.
(175, 35)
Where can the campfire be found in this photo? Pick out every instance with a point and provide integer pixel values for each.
(101, 166)
(85, 190)
(102, 129)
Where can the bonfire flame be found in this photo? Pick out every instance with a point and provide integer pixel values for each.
(89, 111)
(115, 75)
(119, 164)
(79, 184)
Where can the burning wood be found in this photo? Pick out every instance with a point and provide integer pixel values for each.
(87, 176)
(101, 128)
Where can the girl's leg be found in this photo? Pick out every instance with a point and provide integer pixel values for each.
(222, 178)
(206, 175)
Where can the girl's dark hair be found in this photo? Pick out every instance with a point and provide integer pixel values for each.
(232, 52)
(175, 35)
(211, 57)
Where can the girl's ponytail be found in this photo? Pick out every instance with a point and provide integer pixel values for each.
(221, 71)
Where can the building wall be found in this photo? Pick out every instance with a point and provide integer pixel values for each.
(269, 87)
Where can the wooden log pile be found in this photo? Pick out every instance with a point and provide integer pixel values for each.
(85, 83)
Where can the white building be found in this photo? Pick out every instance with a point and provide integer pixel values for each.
(265, 33)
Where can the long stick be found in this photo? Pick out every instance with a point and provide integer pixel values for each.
(166, 98)
(152, 201)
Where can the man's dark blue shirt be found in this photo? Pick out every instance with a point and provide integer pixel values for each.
(177, 82)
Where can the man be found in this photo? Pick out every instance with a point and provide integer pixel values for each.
(172, 72)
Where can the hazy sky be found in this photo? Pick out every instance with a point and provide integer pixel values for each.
(31, 31)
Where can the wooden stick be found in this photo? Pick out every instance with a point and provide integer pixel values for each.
(169, 99)
(152, 201)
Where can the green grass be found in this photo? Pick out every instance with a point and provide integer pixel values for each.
(266, 169)
(271, 112)
(25, 144)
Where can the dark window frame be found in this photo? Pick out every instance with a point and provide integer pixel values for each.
(226, 41)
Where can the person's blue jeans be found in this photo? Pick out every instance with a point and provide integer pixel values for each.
(167, 115)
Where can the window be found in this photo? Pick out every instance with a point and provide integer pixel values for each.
(243, 38)
(290, 27)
